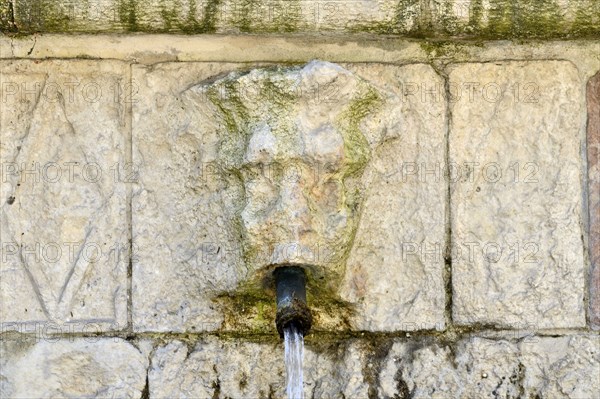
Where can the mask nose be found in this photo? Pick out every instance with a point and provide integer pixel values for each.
(293, 206)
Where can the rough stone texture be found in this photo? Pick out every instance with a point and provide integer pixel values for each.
(395, 269)
(562, 367)
(473, 368)
(69, 368)
(238, 369)
(293, 146)
(433, 18)
(186, 206)
(479, 368)
(593, 159)
(64, 231)
(516, 194)
(184, 249)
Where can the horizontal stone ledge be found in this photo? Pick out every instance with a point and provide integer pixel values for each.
(156, 48)
(453, 334)
(498, 19)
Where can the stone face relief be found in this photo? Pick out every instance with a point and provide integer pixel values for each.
(243, 168)
(291, 139)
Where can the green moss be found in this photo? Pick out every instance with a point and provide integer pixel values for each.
(255, 16)
(356, 146)
(506, 19)
(251, 308)
(447, 49)
(169, 16)
(191, 25)
(587, 19)
(127, 11)
(475, 14)
(7, 17)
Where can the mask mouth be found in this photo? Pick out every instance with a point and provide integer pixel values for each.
(292, 310)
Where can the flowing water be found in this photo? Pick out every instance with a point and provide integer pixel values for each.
(294, 354)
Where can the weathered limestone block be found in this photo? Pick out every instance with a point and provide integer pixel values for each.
(562, 367)
(516, 194)
(593, 159)
(185, 250)
(235, 369)
(477, 368)
(432, 18)
(79, 367)
(395, 269)
(244, 172)
(64, 181)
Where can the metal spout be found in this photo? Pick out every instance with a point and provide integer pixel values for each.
(290, 283)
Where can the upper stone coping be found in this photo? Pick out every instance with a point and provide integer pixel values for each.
(483, 19)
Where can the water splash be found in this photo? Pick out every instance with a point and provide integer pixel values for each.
(294, 355)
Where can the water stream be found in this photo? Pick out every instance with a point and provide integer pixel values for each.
(294, 354)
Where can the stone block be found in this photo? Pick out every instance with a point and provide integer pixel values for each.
(516, 194)
(63, 195)
(76, 367)
(185, 252)
(395, 269)
(552, 367)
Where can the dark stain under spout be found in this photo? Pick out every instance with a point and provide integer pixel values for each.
(290, 283)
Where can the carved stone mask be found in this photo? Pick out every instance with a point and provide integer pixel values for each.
(292, 138)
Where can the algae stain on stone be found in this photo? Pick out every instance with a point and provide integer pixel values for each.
(47, 16)
(169, 15)
(252, 308)
(355, 143)
(498, 19)
(587, 19)
(255, 16)
(447, 20)
(528, 19)
(7, 17)
(209, 20)
(188, 22)
(475, 14)
(127, 11)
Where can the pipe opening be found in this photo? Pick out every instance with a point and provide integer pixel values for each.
(292, 310)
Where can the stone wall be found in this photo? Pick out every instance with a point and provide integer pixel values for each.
(473, 267)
